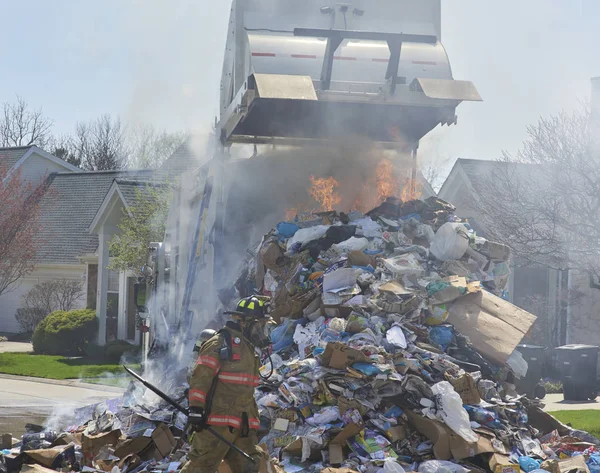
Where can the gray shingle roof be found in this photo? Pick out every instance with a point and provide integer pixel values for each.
(68, 208)
(184, 159)
(131, 189)
(10, 156)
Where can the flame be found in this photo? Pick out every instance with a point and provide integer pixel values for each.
(411, 190)
(387, 184)
(290, 214)
(323, 191)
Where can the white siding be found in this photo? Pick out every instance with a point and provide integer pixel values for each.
(10, 302)
(37, 167)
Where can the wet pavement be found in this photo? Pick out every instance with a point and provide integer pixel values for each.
(25, 401)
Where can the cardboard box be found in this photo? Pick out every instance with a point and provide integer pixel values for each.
(157, 446)
(494, 326)
(447, 444)
(36, 469)
(399, 432)
(501, 464)
(346, 404)
(91, 444)
(339, 356)
(467, 389)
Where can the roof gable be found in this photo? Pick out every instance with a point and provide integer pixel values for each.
(15, 157)
(68, 209)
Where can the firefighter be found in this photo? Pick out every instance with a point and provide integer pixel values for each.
(222, 391)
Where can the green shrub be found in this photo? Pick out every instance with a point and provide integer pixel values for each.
(65, 333)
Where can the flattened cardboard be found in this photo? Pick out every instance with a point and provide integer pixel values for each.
(163, 440)
(568, 465)
(544, 422)
(347, 432)
(36, 469)
(336, 454)
(447, 444)
(397, 433)
(339, 356)
(44, 456)
(494, 326)
(346, 404)
(467, 389)
(458, 284)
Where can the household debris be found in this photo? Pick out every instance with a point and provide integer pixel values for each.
(394, 352)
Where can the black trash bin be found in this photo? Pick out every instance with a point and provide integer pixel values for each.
(578, 366)
(530, 385)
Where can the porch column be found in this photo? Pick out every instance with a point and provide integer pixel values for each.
(102, 295)
(122, 312)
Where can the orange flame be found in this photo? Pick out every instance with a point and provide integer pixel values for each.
(323, 191)
(387, 184)
(407, 191)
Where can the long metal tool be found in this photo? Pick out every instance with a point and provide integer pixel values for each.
(185, 411)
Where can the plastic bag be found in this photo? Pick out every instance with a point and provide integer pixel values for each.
(306, 235)
(517, 364)
(450, 242)
(391, 466)
(442, 336)
(352, 244)
(451, 410)
(439, 466)
(396, 337)
(327, 415)
(369, 228)
(528, 464)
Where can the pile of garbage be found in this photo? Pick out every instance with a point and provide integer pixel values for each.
(395, 350)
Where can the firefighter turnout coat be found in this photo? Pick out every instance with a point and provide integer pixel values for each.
(224, 379)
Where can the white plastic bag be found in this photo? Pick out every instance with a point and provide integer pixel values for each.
(391, 466)
(369, 228)
(306, 235)
(450, 242)
(396, 337)
(517, 364)
(440, 466)
(351, 244)
(451, 410)
(327, 415)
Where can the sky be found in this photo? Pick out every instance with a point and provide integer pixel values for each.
(159, 62)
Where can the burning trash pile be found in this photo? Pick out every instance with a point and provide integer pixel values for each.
(394, 351)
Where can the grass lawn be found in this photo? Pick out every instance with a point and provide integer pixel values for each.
(588, 420)
(56, 367)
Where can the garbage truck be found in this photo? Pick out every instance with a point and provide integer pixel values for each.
(301, 76)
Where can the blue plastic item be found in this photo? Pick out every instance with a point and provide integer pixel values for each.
(593, 463)
(484, 417)
(366, 369)
(441, 335)
(528, 464)
(287, 229)
(282, 337)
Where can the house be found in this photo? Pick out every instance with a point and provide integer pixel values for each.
(34, 165)
(80, 214)
(535, 288)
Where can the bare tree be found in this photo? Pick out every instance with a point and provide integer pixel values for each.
(59, 294)
(63, 147)
(20, 126)
(101, 144)
(544, 202)
(150, 147)
(19, 227)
